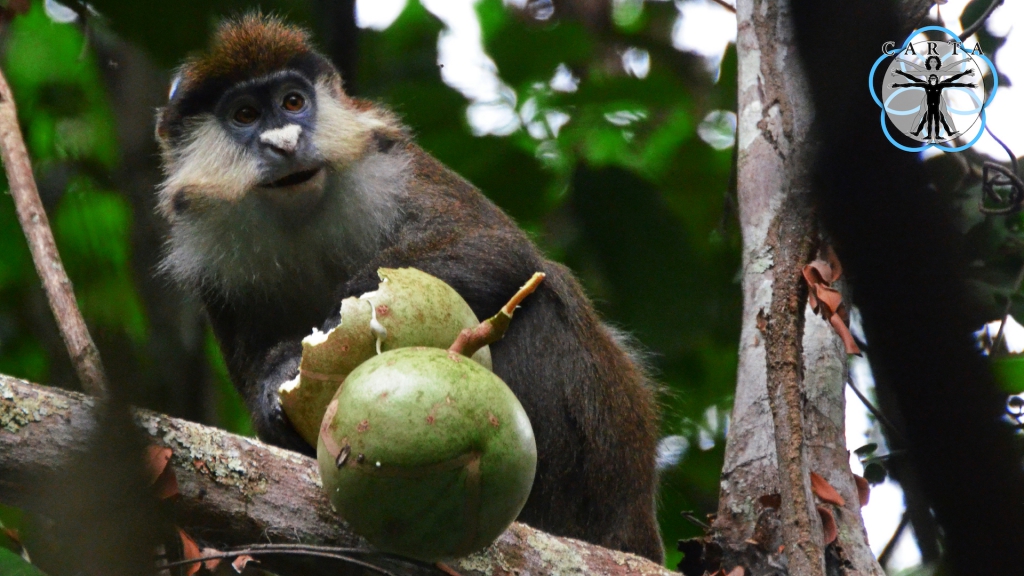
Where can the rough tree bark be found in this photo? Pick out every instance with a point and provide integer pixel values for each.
(237, 491)
(788, 418)
(908, 263)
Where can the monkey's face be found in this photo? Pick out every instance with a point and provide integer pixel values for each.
(259, 122)
(253, 137)
(273, 119)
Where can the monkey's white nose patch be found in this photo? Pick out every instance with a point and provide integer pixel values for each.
(285, 138)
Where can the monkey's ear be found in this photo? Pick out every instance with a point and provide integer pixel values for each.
(162, 131)
(334, 84)
(162, 124)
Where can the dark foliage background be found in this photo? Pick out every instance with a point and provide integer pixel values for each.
(625, 192)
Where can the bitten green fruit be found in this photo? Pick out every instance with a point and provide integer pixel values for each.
(426, 454)
(409, 308)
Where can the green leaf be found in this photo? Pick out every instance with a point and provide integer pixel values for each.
(13, 565)
(528, 52)
(628, 15)
(875, 473)
(93, 229)
(405, 52)
(62, 103)
(866, 450)
(1009, 371)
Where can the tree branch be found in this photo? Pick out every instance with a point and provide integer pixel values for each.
(83, 352)
(237, 491)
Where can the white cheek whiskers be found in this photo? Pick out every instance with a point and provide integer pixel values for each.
(342, 133)
(210, 166)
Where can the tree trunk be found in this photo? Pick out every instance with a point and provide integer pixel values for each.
(788, 418)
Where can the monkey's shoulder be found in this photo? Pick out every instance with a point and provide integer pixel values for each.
(436, 190)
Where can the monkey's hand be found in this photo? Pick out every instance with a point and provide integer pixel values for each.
(268, 417)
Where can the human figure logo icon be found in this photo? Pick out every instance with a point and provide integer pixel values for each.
(934, 91)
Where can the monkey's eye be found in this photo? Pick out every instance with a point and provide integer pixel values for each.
(247, 115)
(293, 102)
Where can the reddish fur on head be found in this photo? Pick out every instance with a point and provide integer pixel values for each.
(246, 47)
(243, 48)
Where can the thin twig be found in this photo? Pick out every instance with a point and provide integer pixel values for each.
(84, 355)
(726, 5)
(491, 330)
(890, 546)
(307, 548)
(281, 552)
(446, 569)
(689, 515)
(892, 431)
(995, 175)
(973, 28)
(510, 307)
(1013, 157)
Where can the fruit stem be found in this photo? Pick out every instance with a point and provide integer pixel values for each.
(491, 330)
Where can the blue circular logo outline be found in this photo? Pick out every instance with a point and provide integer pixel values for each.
(874, 96)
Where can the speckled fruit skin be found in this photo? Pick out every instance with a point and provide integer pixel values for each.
(440, 455)
(415, 309)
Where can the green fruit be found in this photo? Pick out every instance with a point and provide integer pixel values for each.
(409, 308)
(426, 453)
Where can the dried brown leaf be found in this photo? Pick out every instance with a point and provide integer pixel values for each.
(844, 333)
(161, 474)
(863, 490)
(818, 272)
(13, 535)
(189, 551)
(212, 563)
(826, 300)
(829, 528)
(829, 300)
(241, 562)
(14, 543)
(157, 458)
(823, 490)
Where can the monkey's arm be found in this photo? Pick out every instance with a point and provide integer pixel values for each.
(259, 361)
